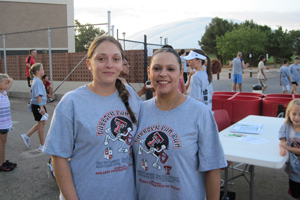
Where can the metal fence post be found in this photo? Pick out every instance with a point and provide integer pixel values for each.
(4, 54)
(229, 74)
(50, 58)
(218, 76)
(145, 59)
(250, 72)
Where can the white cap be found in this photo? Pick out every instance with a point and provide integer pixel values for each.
(193, 55)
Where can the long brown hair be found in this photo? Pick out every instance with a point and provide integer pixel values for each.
(123, 92)
(208, 65)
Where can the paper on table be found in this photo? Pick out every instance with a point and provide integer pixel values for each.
(253, 128)
(253, 140)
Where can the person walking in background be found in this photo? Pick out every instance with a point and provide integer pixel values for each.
(49, 88)
(238, 66)
(295, 74)
(289, 136)
(5, 121)
(92, 130)
(29, 61)
(38, 101)
(262, 78)
(182, 53)
(176, 140)
(200, 81)
(285, 77)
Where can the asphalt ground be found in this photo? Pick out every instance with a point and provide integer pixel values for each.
(30, 180)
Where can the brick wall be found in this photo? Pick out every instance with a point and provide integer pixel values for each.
(64, 63)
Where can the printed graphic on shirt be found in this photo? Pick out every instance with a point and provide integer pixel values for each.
(157, 144)
(119, 130)
(115, 127)
(296, 144)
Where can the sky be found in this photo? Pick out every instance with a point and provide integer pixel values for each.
(131, 16)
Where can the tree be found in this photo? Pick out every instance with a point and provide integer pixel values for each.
(84, 35)
(280, 45)
(243, 39)
(296, 35)
(217, 27)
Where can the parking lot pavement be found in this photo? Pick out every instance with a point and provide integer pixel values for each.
(30, 180)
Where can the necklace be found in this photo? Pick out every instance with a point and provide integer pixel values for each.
(168, 109)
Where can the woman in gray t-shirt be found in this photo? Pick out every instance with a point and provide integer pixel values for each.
(92, 128)
(176, 148)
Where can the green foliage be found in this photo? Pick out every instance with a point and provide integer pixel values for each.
(280, 45)
(242, 39)
(296, 35)
(217, 27)
(84, 36)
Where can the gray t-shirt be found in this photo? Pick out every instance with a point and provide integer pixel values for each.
(199, 88)
(237, 66)
(184, 64)
(96, 132)
(173, 150)
(295, 72)
(285, 72)
(37, 89)
(293, 139)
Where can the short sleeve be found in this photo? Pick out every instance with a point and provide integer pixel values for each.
(60, 138)
(282, 131)
(210, 150)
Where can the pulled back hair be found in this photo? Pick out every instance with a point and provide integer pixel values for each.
(208, 66)
(3, 77)
(285, 61)
(123, 92)
(288, 110)
(169, 50)
(34, 68)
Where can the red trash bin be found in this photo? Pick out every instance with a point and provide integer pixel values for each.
(279, 95)
(274, 106)
(250, 94)
(242, 106)
(219, 101)
(224, 93)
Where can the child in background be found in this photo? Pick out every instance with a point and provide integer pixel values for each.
(5, 121)
(38, 99)
(49, 88)
(285, 77)
(289, 135)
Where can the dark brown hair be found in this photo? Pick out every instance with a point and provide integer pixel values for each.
(123, 92)
(208, 66)
(169, 50)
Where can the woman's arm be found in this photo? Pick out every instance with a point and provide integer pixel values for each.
(64, 178)
(212, 184)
